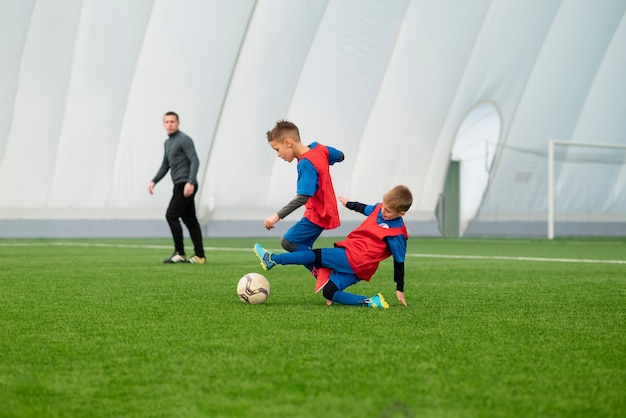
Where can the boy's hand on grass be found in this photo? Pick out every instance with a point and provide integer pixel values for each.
(400, 296)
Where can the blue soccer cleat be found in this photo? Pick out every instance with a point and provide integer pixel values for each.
(378, 302)
(265, 257)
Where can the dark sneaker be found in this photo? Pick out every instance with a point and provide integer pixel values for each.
(175, 258)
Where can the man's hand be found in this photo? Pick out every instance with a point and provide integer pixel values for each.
(151, 187)
(400, 296)
(188, 190)
(343, 200)
(270, 221)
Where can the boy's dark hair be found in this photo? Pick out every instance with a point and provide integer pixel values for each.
(170, 113)
(282, 130)
(399, 198)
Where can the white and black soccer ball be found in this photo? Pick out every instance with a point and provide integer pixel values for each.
(253, 288)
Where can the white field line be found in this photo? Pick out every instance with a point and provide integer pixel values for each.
(462, 257)
(107, 245)
(497, 257)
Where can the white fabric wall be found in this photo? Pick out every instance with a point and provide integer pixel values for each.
(565, 97)
(84, 85)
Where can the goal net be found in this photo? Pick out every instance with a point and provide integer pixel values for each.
(586, 189)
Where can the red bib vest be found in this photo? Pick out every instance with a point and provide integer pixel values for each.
(321, 208)
(365, 247)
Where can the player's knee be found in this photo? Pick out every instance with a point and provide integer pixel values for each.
(329, 290)
(287, 245)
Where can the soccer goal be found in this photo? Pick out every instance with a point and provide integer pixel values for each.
(586, 188)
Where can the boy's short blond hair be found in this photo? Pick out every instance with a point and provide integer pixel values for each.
(399, 198)
(283, 129)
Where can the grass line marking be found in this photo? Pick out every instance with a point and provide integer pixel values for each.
(497, 257)
(450, 256)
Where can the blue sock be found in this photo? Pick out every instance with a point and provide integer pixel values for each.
(296, 257)
(347, 298)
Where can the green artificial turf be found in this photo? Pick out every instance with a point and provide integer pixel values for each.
(494, 328)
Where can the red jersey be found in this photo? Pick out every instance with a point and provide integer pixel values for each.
(321, 208)
(365, 246)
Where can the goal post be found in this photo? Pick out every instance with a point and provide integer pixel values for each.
(552, 144)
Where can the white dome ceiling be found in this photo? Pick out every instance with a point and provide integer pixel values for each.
(84, 85)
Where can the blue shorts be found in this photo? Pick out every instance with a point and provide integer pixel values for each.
(303, 232)
(342, 274)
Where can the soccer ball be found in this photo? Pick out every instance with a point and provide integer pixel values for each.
(253, 288)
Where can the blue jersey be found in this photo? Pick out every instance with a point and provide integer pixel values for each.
(307, 174)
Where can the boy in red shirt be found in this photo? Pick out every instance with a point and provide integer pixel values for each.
(380, 235)
(314, 187)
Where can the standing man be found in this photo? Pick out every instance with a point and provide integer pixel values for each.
(180, 157)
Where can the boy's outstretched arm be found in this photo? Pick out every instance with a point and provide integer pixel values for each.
(398, 277)
(295, 203)
(355, 206)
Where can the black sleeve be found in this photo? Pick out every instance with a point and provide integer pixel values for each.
(295, 203)
(357, 207)
(398, 275)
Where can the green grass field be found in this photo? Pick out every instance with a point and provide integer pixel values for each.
(494, 328)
